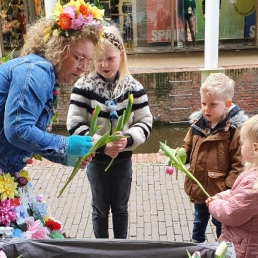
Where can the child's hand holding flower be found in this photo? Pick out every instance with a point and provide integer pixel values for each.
(113, 148)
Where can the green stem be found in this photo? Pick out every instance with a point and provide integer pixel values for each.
(109, 165)
(177, 163)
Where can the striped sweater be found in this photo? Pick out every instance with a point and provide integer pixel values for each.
(93, 90)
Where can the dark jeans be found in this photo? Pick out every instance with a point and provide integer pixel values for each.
(189, 20)
(110, 190)
(201, 219)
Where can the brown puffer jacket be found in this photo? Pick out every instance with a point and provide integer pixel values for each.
(214, 154)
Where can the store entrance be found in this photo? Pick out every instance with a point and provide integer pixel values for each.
(15, 15)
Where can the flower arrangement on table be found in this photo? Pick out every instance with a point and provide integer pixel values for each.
(23, 215)
(106, 138)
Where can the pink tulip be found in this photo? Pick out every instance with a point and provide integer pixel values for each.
(169, 170)
(160, 152)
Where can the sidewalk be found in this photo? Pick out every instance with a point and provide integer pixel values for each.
(159, 209)
(179, 61)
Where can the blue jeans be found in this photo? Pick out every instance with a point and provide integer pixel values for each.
(201, 219)
(110, 190)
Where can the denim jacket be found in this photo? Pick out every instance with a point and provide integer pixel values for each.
(26, 100)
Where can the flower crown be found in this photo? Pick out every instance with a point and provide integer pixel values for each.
(70, 18)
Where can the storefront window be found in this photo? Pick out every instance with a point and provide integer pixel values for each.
(236, 21)
(153, 23)
(163, 25)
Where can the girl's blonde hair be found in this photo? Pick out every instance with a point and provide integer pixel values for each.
(57, 47)
(251, 131)
(219, 85)
(123, 68)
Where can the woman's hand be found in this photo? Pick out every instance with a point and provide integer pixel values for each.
(86, 161)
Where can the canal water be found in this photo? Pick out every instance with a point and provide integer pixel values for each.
(172, 134)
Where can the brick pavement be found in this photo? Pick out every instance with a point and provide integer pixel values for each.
(159, 210)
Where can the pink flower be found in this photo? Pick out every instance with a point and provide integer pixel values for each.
(35, 230)
(169, 170)
(70, 11)
(76, 24)
(160, 152)
(7, 214)
(56, 92)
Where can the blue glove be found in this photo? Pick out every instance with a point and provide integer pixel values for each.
(78, 145)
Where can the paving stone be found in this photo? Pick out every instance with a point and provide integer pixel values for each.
(159, 209)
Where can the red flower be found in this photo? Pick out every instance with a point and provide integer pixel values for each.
(84, 10)
(15, 202)
(53, 225)
(29, 161)
(64, 21)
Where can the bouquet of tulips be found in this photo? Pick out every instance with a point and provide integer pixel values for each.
(177, 159)
(106, 138)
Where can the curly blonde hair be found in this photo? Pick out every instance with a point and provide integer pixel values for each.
(57, 47)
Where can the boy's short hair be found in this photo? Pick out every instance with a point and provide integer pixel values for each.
(219, 85)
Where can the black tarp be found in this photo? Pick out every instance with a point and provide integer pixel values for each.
(76, 248)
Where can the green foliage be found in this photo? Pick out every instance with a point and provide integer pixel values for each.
(7, 58)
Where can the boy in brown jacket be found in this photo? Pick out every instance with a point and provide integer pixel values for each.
(213, 148)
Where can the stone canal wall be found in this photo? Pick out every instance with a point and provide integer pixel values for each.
(174, 95)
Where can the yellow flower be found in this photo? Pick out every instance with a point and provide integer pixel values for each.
(97, 13)
(46, 37)
(72, 3)
(8, 188)
(55, 33)
(57, 10)
(25, 173)
(47, 30)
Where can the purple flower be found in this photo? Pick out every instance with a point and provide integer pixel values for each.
(39, 198)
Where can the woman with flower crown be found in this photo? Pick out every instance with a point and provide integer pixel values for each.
(110, 86)
(56, 52)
